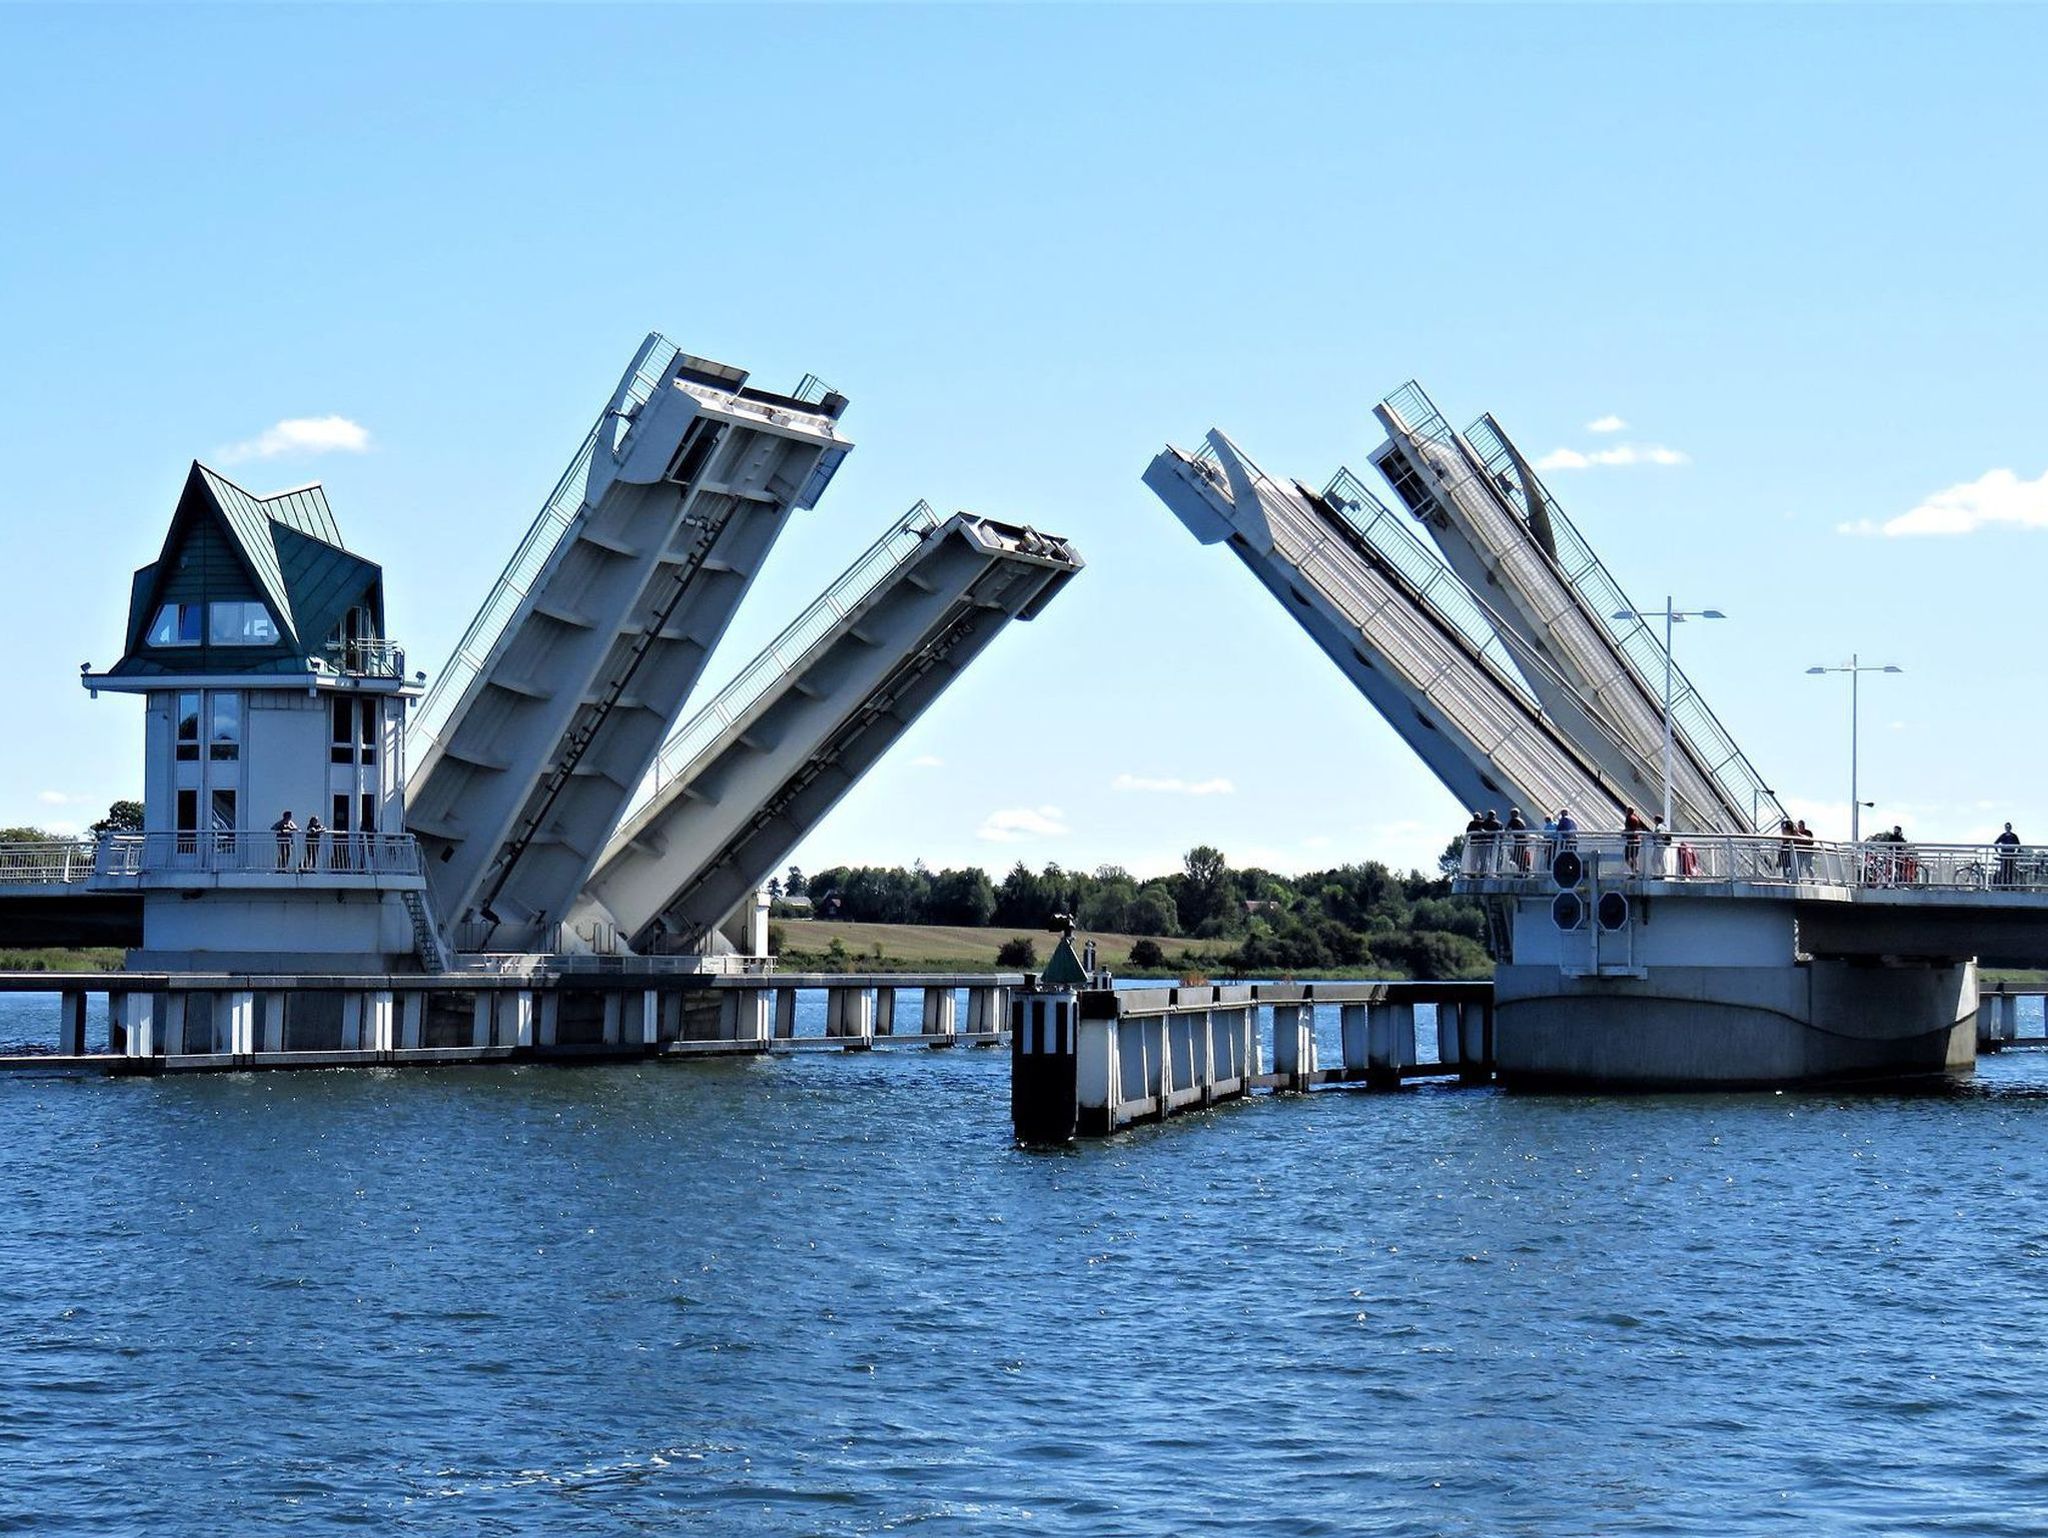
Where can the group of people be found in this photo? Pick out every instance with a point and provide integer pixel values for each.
(287, 831)
(1492, 845)
(1488, 841)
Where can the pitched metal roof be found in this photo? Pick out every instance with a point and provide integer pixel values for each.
(291, 548)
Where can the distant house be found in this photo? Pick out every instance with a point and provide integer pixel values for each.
(793, 907)
(1259, 905)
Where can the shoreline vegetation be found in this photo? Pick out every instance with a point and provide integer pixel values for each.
(1206, 919)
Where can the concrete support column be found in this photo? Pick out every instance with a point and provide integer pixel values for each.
(785, 1014)
(985, 1011)
(1449, 1019)
(378, 1021)
(850, 1016)
(885, 1011)
(643, 1019)
(351, 1022)
(941, 1014)
(1098, 1076)
(1356, 1023)
(753, 1015)
(412, 1020)
(524, 1006)
(1294, 1045)
(174, 1024)
(1475, 1048)
(549, 1009)
(271, 1037)
(138, 1023)
(71, 1025)
(614, 1019)
(481, 1009)
(671, 1027)
(241, 1023)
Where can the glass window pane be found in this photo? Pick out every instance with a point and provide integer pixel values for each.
(188, 726)
(338, 717)
(227, 725)
(223, 811)
(176, 624)
(188, 811)
(240, 624)
(367, 709)
(189, 615)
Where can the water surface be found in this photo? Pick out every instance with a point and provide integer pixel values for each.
(823, 1295)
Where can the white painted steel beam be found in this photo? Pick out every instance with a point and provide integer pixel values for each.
(1463, 715)
(1439, 477)
(555, 702)
(739, 785)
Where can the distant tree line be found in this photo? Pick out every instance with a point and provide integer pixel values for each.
(1249, 921)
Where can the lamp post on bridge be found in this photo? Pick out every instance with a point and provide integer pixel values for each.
(1671, 617)
(1852, 668)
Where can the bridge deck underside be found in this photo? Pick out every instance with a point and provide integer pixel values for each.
(725, 820)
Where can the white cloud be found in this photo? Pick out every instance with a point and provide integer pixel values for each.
(1173, 787)
(1620, 454)
(1014, 825)
(927, 761)
(1607, 424)
(1996, 497)
(56, 798)
(302, 435)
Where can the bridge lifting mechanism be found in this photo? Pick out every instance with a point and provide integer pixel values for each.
(1714, 952)
(551, 712)
(548, 813)
(736, 788)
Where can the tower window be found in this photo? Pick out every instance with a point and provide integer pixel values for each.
(224, 741)
(188, 726)
(240, 624)
(177, 624)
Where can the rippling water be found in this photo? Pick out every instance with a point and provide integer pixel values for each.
(823, 1295)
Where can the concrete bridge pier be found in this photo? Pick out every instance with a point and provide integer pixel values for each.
(850, 1017)
(1294, 1045)
(785, 1014)
(71, 1025)
(885, 1011)
(941, 1016)
(1998, 1020)
(986, 1008)
(746, 1015)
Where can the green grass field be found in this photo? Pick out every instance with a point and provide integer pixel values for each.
(945, 947)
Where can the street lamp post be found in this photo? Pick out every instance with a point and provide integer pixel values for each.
(1852, 669)
(1671, 617)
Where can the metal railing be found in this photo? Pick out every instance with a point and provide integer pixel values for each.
(786, 653)
(543, 537)
(47, 861)
(366, 659)
(140, 855)
(1873, 865)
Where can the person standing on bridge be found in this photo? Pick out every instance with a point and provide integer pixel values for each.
(1567, 830)
(1518, 834)
(1492, 827)
(284, 828)
(1475, 845)
(1634, 827)
(2008, 844)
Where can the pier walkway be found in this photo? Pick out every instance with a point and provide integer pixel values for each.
(157, 1023)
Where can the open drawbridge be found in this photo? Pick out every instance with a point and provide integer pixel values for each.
(737, 787)
(1507, 657)
(538, 737)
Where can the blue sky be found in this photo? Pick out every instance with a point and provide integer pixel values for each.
(1801, 249)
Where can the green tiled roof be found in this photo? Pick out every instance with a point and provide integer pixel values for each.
(284, 548)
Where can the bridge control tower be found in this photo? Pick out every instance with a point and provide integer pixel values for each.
(257, 642)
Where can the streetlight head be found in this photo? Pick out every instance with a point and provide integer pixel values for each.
(1712, 614)
(1890, 669)
(1626, 614)
(1816, 670)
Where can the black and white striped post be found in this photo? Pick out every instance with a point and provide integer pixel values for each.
(1045, 1028)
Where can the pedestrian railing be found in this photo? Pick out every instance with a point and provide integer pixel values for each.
(1874, 864)
(46, 861)
(138, 855)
